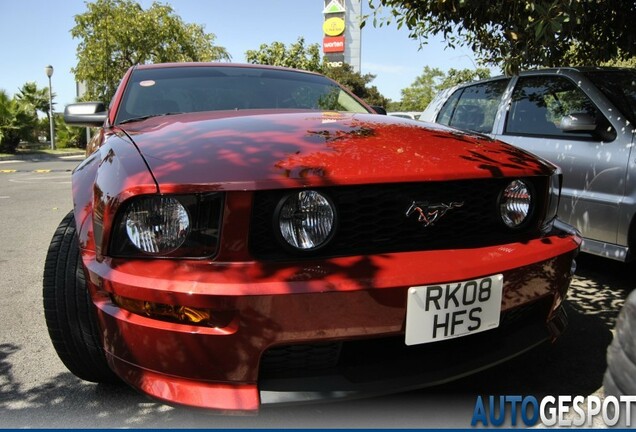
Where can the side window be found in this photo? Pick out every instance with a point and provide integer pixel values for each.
(474, 108)
(446, 113)
(540, 104)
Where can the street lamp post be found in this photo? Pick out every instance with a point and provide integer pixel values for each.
(49, 73)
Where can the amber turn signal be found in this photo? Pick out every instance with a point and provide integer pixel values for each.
(175, 313)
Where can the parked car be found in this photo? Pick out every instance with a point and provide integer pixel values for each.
(620, 376)
(581, 119)
(405, 114)
(244, 235)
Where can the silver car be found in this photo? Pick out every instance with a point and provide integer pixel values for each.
(581, 119)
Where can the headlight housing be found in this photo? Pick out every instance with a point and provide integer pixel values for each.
(516, 203)
(157, 225)
(554, 196)
(305, 220)
(167, 226)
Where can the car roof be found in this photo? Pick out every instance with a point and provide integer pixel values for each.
(565, 70)
(573, 68)
(218, 65)
(571, 71)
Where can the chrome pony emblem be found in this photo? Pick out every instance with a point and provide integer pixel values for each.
(430, 213)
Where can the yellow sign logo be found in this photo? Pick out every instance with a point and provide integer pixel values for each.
(333, 26)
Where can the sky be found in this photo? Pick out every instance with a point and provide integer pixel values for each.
(36, 33)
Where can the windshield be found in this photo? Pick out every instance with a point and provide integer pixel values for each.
(171, 90)
(620, 88)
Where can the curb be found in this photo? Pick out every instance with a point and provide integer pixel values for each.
(39, 156)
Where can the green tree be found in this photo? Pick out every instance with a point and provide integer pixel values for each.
(307, 57)
(517, 34)
(69, 136)
(417, 96)
(627, 63)
(394, 106)
(117, 34)
(358, 84)
(34, 97)
(37, 100)
(17, 121)
(297, 55)
(459, 76)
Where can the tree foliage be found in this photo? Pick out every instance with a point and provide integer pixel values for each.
(358, 84)
(117, 34)
(17, 122)
(68, 136)
(307, 57)
(626, 63)
(432, 80)
(36, 100)
(34, 97)
(518, 34)
(417, 96)
(460, 76)
(297, 55)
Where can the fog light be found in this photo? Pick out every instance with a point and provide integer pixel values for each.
(515, 203)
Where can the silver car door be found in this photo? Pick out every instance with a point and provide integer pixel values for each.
(551, 116)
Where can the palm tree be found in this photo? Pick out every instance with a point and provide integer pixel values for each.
(37, 98)
(17, 121)
(4, 114)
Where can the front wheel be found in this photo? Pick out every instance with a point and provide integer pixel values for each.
(68, 309)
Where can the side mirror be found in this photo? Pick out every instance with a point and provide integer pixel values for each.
(90, 114)
(378, 109)
(578, 122)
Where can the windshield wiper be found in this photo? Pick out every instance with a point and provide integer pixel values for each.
(136, 119)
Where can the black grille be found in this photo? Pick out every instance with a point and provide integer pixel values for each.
(318, 358)
(301, 357)
(371, 219)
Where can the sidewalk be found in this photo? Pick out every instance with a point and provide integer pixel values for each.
(40, 155)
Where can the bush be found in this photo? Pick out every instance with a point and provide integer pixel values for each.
(17, 122)
(9, 140)
(69, 136)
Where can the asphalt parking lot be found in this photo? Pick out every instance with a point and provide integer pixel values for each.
(37, 391)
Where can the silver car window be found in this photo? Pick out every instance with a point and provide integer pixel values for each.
(620, 88)
(474, 108)
(539, 104)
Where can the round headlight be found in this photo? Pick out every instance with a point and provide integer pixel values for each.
(156, 225)
(515, 203)
(306, 219)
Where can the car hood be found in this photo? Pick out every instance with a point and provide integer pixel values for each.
(241, 150)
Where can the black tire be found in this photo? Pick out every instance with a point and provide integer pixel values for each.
(68, 309)
(620, 377)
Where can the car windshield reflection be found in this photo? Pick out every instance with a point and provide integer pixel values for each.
(159, 91)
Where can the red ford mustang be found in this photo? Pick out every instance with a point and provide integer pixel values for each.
(244, 235)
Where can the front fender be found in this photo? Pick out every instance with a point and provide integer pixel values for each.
(109, 176)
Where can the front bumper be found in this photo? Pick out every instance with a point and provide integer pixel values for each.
(386, 365)
(343, 300)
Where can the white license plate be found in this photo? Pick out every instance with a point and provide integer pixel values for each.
(451, 310)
